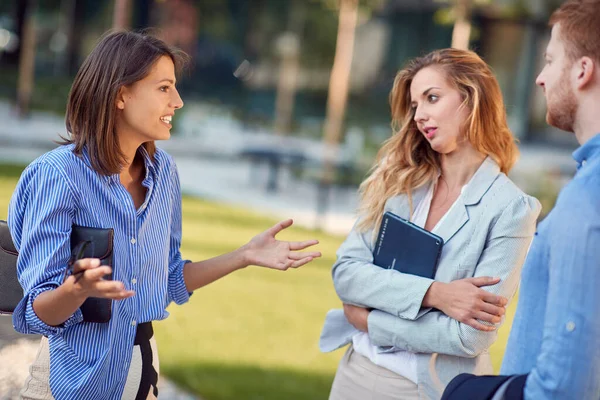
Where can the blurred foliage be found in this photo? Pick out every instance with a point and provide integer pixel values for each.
(545, 187)
(50, 93)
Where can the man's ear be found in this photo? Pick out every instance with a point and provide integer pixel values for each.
(586, 71)
(120, 100)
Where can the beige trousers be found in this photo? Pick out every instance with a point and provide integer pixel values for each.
(357, 378)
(37, 385)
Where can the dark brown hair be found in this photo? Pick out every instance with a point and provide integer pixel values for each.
(119, 59)
(579, 28)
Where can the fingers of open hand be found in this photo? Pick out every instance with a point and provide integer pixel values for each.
(302, 245)
(278, 227)
(292, 263)
(301, 262)
(302, 255)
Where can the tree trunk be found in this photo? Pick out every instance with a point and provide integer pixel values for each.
(336, 101)
(122, 14)
(26, 62)
(339, 84)
(462, 26)
(289, 45)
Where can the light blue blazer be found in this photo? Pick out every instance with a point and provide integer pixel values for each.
(488, 235)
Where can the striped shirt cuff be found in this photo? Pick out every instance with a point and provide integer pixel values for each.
(36, 325)
(177, 289)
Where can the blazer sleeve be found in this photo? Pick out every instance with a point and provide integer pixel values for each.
(503, 256)
(360, 282)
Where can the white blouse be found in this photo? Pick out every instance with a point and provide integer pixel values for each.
(400, 361)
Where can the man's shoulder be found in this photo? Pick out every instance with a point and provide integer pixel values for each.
(577, 204)
(582, 191)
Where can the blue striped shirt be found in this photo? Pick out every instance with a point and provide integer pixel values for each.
(59, 189)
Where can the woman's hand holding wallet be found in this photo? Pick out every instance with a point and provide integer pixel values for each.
(466, 302)
(54, 307)
(87, 280)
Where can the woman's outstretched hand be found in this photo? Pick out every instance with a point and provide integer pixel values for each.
(266, 251)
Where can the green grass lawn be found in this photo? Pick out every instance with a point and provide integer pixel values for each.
(254, 334)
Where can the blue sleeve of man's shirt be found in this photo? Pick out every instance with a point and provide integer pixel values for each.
(176, 287)
(568, 365)
(40, 219)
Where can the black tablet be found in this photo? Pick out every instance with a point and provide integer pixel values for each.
(406, 247)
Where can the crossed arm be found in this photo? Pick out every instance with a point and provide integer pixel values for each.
(400, 315)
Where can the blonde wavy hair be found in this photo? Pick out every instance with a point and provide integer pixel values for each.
(406, 161)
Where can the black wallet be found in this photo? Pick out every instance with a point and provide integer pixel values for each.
(406, 247)
(86, 242)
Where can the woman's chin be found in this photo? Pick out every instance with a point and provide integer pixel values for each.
(436, 146)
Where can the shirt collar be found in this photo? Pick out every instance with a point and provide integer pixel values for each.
(588, 151)
(149, 165)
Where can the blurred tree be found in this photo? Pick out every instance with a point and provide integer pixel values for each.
(19, 11)
(462, 24)
(459, 14)
(122, 14)
(338, 91)
(340, 75)
(288, 48)
(26, 60)
(339, 80)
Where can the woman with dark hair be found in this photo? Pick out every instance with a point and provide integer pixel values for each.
(444, 168)
(109, 174)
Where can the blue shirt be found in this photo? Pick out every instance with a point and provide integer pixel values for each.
(556, 332)
(59, 189)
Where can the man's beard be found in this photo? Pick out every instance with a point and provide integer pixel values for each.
(562, 106)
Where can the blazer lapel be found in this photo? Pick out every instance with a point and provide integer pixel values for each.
(399, 204)
(479, 184)
(454, 220)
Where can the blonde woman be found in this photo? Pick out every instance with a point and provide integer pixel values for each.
(445, 169)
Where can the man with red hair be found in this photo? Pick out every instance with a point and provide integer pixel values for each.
(554, 347)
